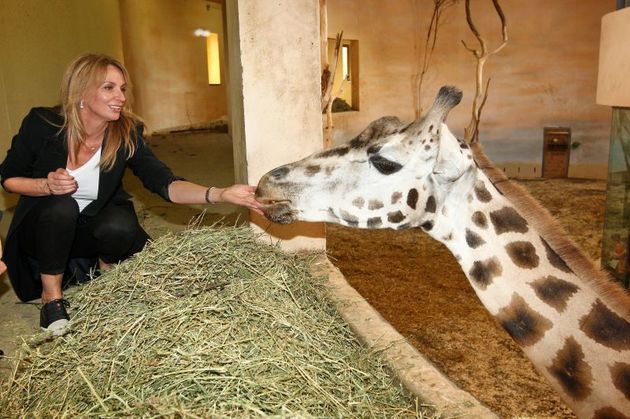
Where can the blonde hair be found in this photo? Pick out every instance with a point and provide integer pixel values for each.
(86, 72)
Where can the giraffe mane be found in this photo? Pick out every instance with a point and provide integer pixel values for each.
(553, 233)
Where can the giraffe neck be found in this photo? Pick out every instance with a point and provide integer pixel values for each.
(571, 335)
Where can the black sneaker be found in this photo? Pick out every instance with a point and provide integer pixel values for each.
(53, 316)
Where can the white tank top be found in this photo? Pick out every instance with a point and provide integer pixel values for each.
(87, 177)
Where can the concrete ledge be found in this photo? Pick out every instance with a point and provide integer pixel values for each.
(417, 374)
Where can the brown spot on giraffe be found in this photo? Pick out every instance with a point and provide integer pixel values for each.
(482, 193)
(555, 259)
(473, 239)
(554, 291)
(483, 272)
(375, 204)
(606, 327)
(620, 373)
(357, 142)
(571, 371)
(312, 170)
(395, 217)
(339, 151)
(359, 202)
(396, 196)
(374, 222)
(523, 254)
(480, 220)
(507, 220)
(609, 413)
(430, 206)
(525, 325)
(412, 198)
(350, 219)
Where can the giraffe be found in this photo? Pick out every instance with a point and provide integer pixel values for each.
(568, 317)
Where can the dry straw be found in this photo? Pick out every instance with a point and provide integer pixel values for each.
(208, 322)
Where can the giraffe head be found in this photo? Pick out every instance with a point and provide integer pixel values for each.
(391, 175)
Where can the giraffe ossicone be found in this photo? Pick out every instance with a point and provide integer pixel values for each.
(570, 319)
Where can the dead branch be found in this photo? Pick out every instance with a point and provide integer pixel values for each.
(331, 71)
(471, 133)
(328, 96)
(323, 33)
(483, 102)
(323, 39)
(439, 7)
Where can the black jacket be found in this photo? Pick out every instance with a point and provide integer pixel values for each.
(40, 148)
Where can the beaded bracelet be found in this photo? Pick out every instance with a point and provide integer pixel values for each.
(208, 191)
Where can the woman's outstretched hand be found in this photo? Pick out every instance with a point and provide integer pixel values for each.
(238, 195)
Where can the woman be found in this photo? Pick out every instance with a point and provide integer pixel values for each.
(67, 164)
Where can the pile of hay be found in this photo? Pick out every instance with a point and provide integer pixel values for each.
(209, 322)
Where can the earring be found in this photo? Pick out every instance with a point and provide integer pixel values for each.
(81, 104)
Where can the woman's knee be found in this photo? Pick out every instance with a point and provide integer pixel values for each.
(59, 209)
(117, 224)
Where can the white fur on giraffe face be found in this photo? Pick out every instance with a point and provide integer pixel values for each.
(390, 188)
(453, 157)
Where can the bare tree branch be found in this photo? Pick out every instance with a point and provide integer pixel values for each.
(471, 133)
(439, 6)
(327, 89)
(483, 102)
(328, 96)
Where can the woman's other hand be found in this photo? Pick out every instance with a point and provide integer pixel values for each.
(60, 182)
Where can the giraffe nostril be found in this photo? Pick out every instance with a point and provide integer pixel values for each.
(279, 173)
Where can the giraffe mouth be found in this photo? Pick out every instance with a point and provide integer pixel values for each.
(278, 210)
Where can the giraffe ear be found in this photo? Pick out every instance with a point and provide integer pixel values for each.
(450, 163)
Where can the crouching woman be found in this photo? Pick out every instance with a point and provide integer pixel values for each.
(67, 164)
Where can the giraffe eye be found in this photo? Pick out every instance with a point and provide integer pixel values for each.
(383, 165)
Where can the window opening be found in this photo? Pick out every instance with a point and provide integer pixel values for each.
(347, 72)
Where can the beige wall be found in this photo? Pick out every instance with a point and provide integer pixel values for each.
(545, 76)
(38, 38)
(168, 64)
(275, 97)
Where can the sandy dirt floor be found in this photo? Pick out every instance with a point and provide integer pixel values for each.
(417, 285)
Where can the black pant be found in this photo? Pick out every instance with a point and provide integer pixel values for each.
(54, 231)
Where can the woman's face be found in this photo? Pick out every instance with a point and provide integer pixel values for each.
(105, 102)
